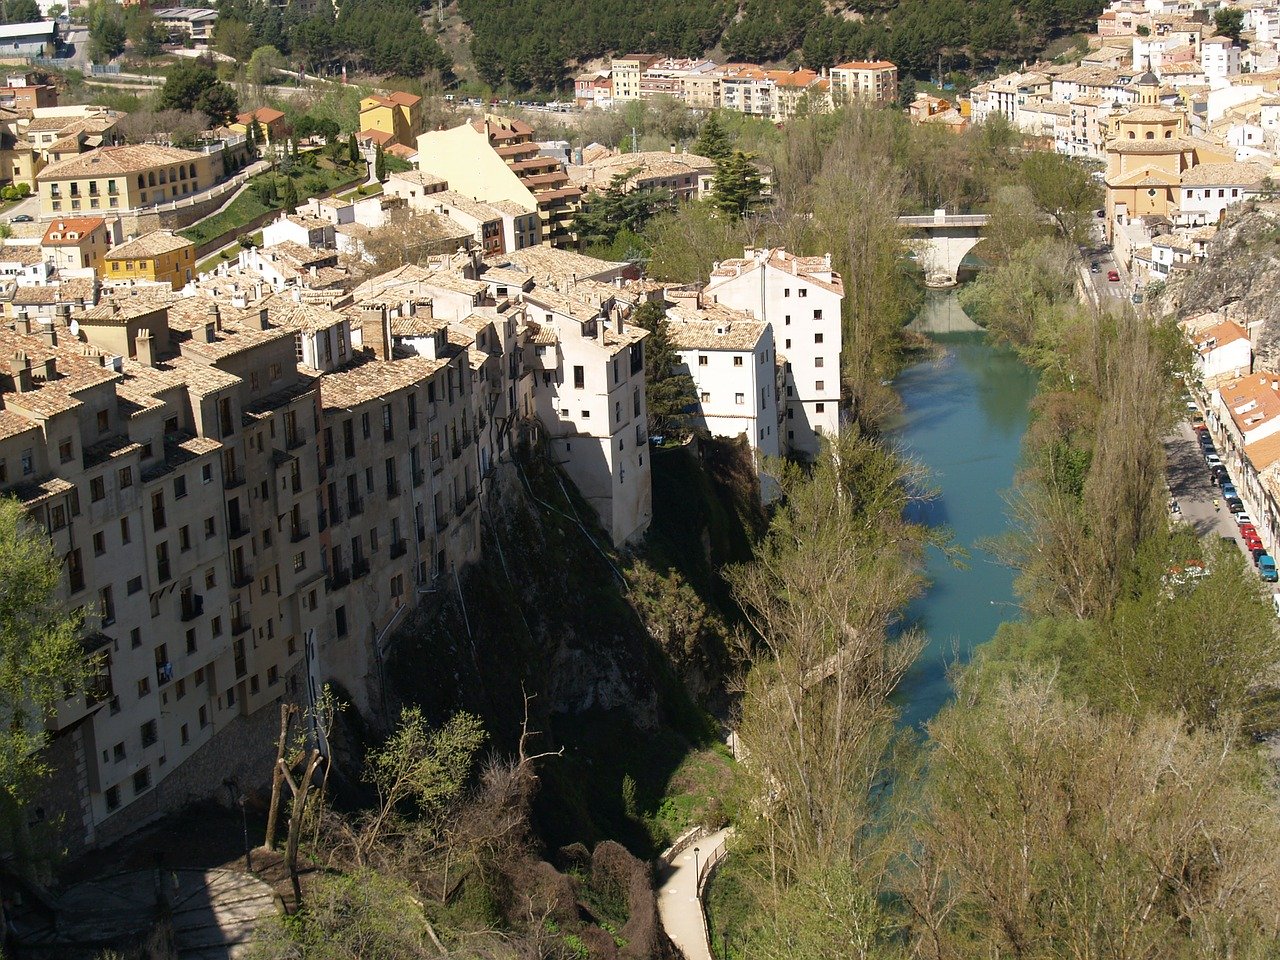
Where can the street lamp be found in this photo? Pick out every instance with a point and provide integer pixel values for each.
(232, 790)
(697, 874)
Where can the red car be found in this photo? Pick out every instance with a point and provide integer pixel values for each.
(1248, 530)
(1113, 276)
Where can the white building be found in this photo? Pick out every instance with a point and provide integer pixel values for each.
(1221, 350)
(25, 263)
(1208, 189)
(731, 358)
(801, 298)
(1220, 59)
(302, 229)
(587, 390)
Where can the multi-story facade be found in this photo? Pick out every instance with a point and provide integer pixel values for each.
(496, 159)
(874, 81)
(732, 360)
(158, 257)
(625, 73)
(21, 92)
(397, 117)
(76, 243)
(801, 298)
(122, 179)
(687, 176)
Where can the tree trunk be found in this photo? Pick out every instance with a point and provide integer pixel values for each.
(277, 778)
(295, 824)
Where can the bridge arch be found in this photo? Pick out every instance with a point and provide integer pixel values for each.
(947, 239)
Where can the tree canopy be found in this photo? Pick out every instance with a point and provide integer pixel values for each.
(194, 85)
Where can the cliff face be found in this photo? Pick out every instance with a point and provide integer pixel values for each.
(1240, 275)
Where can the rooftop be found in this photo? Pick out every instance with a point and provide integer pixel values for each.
(152, 244)
(109, 161)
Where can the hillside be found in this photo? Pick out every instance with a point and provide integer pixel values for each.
(538, 43)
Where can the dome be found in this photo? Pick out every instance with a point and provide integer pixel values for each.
(1148, 79)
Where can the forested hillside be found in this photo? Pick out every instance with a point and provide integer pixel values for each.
(537, 42)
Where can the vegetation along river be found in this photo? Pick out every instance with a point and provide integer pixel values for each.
(965, 410)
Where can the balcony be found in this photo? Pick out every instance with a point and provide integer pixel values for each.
(163, 572)
(437, 466)
(322, 521)
(300, 531)
(337, 580)
(295, 439)
(239, 625)
(455, 450)
(241, 667)
(399, 548)
(359, 568)
(422, 532)
(393, 491)
(242, 577)
(192, 606)
(355, 506)
(459, 506)
(232, 479)
(335, 514)
(237, 526)
(442, 521)
(419, 477)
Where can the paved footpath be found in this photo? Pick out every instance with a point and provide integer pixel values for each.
(678, 905)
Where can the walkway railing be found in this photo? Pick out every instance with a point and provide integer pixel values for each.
(704, 871)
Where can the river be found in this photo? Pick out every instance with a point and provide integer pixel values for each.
(965, 411)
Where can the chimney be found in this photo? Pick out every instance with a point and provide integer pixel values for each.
(48, 334)
(64, 311)
(258, 322)
(215, 316)
(22, 324)
(50, 368)
(20, 369)
(375, 325)
(205, 334)
(144, 349)
(617, 321)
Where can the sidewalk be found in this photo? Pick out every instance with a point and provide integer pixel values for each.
(678, 904)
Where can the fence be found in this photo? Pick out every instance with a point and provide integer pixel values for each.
(709, 864)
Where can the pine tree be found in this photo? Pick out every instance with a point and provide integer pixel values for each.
(380, 165)
(669, 393)
(289, 195)
(353, 150)
(713, 142)
(737, 186)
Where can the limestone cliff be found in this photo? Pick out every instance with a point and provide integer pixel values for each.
(1240, 275)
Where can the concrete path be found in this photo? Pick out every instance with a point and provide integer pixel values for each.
(678, 904)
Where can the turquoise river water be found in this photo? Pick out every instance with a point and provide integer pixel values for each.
(964, 413)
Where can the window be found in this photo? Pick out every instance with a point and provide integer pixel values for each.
(273, 676)
(99, 544)
(786, 291)
(157, 510)
(97, 489)
(28, 462)
(340, 621)
(702, 359)
(118, 753)
(364, 425)
(586, 414)
(299, 562)
(705, 397)
(739, 398)
(817, 338)
(817, 361)
(215, 626)
(737, 361)
(819, 385)
(206, 473)
(579, 378)
(180, 487)
(124, 530)
(819, 408)
(817, 314)
(185, 735)
(104, 421)
(388, 430)
(126, 477)
(106, 606)
(204, 717)
(142, 780)
(65, 450)
(148, 733)
(144, 687)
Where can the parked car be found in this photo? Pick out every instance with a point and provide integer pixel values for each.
(1248, 530)
(1113, 276)
(1229, 491)
(1234, 505)
(1267, 569)
(21, 218)
(1202, 428)
(1213, 460)
(1242, 517)
(1257, 553)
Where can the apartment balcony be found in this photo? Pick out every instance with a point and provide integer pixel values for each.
(300, 532)
(322, 521)
(237, 526)
(192, 606)
(399, 548)
(419, 477)
(242, 667)
(295, 439)
(335, 514)
(233, 479)
(242, 577)
(437, 466)
(442, 522)
(459, 506)
(359, 568)
(355, 506)
(456, 450)
(239, 625)
(337, 580)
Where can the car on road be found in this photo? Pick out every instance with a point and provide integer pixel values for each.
(1213, 460)
(1234, 505)
(1267, 568)
(21, 218)
(1093, 267)
(1242, 517)
(1257, 553)
(1229, 492)
(1113, 276)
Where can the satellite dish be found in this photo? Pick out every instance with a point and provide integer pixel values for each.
(74, 327)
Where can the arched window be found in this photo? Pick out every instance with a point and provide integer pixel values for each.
(1132, 135)
(151, 179)
(1168, 134)
(142, 182)
(1151, 134)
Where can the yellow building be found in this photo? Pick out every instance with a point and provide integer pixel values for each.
(159, 257)
(872, 81)
(122, 179)
(497, 159)
(271, 123)
(397, 116)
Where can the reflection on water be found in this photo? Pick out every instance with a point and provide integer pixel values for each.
(964, 413)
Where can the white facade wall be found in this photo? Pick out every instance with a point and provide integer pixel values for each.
(1219, 60)
(1231, 359)
(737, 393)
(1201, 205)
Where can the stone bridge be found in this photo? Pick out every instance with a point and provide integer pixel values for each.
(945, 241)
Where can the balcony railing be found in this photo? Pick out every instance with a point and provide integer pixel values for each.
(399, 547)
(335, 513)
(233, 478)
(359, 568)
(338, 579)
(442, 521)
(455, 450)
(300, 531)
(237, 526)
(239, 625)
(322, 521)
(242, 577)
(294, 440)
(355, 506)
(459, 506)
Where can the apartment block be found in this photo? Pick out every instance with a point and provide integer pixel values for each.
(121, 179)
(495, 160)
(873, 81)
(77, 243)
(800, 297)
(395, 118)
(626, 71)
(158, 257)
